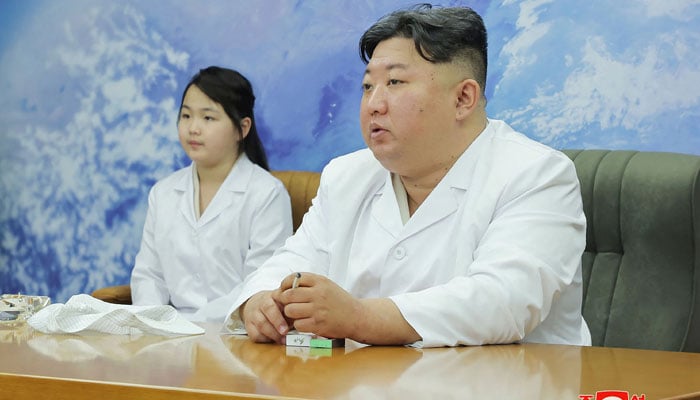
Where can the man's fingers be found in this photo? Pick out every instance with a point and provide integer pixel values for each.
(273, 315)
(264, 320)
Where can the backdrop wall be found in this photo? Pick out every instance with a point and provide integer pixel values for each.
(89, 92)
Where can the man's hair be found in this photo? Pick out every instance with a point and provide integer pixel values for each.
(441, 35)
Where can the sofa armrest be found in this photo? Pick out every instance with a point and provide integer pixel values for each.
(120, 294)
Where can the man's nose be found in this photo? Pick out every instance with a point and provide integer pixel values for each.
(376, 100)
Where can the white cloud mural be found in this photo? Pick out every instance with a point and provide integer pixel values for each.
(89, 92)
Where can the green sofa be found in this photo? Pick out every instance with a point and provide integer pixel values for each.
(641, 267)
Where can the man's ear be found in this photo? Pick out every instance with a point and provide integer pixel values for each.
(245, 127)
(468, 98)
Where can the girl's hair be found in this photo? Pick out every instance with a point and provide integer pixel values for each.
(235, 94)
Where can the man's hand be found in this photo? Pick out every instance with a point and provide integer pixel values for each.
(263, 317)
(318, 305)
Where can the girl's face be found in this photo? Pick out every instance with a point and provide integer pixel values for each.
(206, 132)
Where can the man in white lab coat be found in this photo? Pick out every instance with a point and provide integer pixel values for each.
(450, 229)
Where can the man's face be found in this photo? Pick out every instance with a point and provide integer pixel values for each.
(408, 107)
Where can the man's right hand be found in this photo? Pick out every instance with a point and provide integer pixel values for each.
(264, 319)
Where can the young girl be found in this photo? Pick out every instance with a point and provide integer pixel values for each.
(212, 223)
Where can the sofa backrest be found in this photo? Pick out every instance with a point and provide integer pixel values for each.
(641, 266)
(302, 187)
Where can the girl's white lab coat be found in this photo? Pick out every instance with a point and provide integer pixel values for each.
(198, 265)
(493, 255)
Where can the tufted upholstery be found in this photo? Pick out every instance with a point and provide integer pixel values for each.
(302, 187)
(641, 266)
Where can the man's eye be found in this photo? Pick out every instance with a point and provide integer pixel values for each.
(208, 118)
(366, 87)
(394, 82)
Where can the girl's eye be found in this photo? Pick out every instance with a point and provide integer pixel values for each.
(366, 87)
(184, 116)
(394, 81)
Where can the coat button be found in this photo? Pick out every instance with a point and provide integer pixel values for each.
(399, 253)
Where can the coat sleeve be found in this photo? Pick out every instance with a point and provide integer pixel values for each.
(147, 282)
(305, 251)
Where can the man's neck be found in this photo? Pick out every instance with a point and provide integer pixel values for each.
(419, 186)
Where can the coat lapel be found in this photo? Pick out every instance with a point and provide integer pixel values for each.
(185, 189)
(385, 209)
(446, 198)
(235, 183)
(439, 204)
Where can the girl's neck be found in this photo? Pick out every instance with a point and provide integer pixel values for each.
(214, 174)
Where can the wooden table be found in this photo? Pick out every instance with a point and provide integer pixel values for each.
(215, 366)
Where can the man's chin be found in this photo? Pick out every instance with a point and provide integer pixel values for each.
(388, 159)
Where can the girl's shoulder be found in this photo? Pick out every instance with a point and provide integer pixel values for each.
(177, 180)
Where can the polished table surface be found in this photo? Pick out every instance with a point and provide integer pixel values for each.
(219, 366)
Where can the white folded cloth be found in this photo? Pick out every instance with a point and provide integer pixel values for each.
(83, 312)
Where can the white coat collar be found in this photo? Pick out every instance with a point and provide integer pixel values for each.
(461, 174)
(442, 201)
(236, 181)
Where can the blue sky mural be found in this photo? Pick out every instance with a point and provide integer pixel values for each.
(89, 93)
